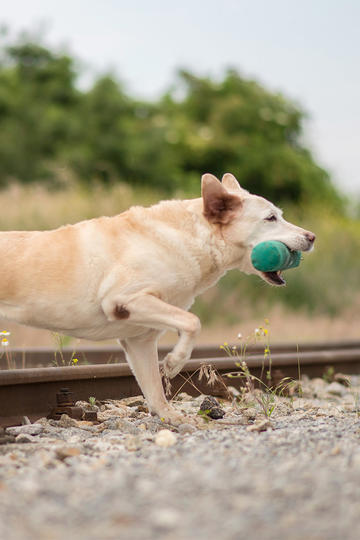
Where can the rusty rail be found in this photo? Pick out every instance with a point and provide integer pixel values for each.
(31, 392)
(32, 357)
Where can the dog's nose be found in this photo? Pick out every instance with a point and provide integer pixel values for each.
(310, 236)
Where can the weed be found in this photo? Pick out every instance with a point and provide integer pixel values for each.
(204, 414)
(356, 396)
(5, 349)
(265, 395)
(329, 374)
(92, 401)
(59, 360)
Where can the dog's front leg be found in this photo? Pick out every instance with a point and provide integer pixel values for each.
(142, 356)
(151, 312)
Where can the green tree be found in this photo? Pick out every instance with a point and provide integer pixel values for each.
(237, 125)
(37, 98)
(233, 124)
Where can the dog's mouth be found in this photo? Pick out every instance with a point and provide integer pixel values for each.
(274, 278)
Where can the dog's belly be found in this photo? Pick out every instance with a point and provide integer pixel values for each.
(91, 325)
(100, 333)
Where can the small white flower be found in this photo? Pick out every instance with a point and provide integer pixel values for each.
(4, 342)
(259, 332)
(5, 333)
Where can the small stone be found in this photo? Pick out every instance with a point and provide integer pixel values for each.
(65, 452)
(136, 403)
(115, 440)
(186, 428)
(261, 426)
(24, 438)
(342, 379)
(213, 408)
(90, 416)
(67, 422)
(142, 408)
(165, 438)
(165, 518)
(336, 389)
(183, 396)
(28, 429)
(298, 404)
(5, 438)
(318, 382)
(109, 414)
(126, 427)
(43, 421)
(133, 443)
(133, 401)
(250, 413)
(234, 391)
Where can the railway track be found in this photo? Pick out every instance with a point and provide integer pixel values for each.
(34, 357)
(31, 391)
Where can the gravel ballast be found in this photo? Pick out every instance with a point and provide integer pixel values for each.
(294, 476)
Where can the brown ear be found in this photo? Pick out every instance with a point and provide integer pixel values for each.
(219, 205)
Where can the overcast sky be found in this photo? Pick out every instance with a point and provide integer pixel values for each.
(308, 49)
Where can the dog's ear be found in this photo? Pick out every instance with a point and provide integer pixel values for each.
(219, 205)
(230, 183)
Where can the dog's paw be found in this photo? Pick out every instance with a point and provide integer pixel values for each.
(172, 365)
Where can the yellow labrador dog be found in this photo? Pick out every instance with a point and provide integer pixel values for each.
(135, 275)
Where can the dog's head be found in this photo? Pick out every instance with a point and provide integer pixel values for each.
(245, 220)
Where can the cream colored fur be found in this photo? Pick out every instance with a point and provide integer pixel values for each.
(135, 275)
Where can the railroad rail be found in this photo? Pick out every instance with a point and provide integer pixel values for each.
(34, 357)
(31, 391)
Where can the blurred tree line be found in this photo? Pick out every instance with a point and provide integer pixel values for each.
(47, 125)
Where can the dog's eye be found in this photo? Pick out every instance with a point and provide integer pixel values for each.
(271, 218)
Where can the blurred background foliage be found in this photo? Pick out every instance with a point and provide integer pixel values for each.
(104, 134)
(67, 154)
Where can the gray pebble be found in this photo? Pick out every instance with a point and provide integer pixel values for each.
(24, 438)
(186, 428)
(336, 389)
(219, 481)
(29, 429)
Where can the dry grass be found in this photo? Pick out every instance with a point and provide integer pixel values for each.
(35, 207)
